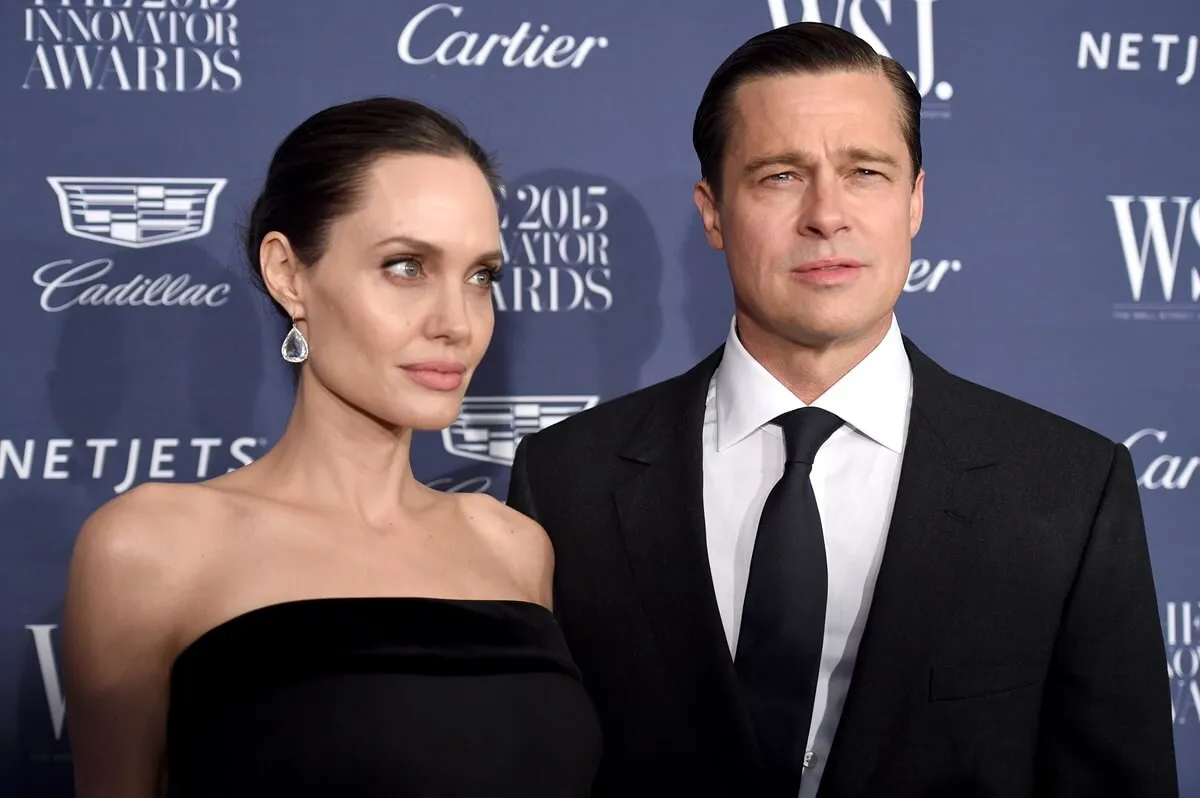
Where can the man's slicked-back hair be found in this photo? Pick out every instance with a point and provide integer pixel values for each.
(802, 47)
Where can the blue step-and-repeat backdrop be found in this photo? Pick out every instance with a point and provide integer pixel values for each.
(1059, 259)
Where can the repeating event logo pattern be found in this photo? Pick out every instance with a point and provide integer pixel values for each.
(114, 235)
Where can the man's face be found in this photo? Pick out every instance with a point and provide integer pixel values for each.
(818, 206)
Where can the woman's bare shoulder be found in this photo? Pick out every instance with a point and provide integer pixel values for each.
(518, 539)
(148, 542)
(153, 520)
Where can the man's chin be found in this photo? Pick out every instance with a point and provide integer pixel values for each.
(829, 332)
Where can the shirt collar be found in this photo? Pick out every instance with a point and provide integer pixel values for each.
(873, 397)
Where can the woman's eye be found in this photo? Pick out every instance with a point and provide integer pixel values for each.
(404, 267)
(486, 277)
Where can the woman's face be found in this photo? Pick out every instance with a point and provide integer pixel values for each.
(398, 312)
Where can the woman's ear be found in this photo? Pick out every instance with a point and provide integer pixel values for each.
(282, 273)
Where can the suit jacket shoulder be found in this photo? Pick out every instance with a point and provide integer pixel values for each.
(981, 423)
(605, 430)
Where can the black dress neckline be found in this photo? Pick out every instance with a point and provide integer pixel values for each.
(427, 632)
(382, 697)
(257, 615)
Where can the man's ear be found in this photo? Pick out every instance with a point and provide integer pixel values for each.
(706, 203)
(916, 204)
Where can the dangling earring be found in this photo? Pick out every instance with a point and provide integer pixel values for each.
(295, 346)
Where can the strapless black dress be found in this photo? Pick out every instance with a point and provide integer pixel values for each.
(381, 698)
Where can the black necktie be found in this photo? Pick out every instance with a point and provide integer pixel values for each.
(783, 619)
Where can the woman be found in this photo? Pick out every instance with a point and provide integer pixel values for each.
(319, 623)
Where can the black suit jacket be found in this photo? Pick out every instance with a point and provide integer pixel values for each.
(1013, 646)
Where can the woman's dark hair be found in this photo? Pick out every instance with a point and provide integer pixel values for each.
(802, 47)
(318, 171)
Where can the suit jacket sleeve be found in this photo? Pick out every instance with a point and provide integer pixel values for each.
(520, 494)
(1106, 727)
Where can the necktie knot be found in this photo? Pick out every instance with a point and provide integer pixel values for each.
(804, 432)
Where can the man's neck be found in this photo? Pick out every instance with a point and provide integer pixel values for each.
(808, 370)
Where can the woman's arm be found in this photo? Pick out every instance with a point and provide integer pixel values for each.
(118, 628)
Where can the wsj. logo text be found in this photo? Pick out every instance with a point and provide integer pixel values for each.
(56, 700)
(1169, 229)
(917, 18)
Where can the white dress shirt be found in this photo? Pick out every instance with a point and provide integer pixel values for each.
(854, 477)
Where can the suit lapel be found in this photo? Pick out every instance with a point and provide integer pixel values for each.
(662, 517)
(939, 479)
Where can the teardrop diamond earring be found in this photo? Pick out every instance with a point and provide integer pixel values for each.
(295, 346)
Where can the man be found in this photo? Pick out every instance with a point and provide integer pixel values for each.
(817, 560)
